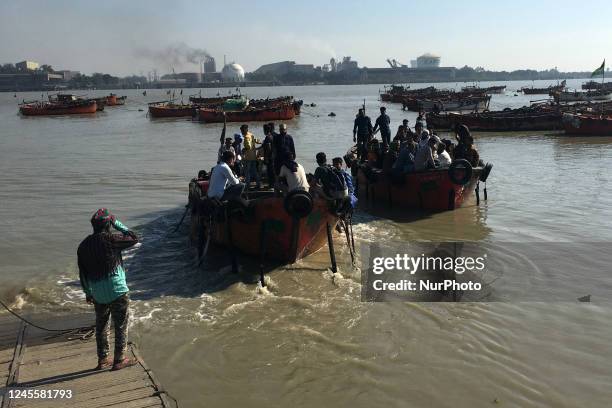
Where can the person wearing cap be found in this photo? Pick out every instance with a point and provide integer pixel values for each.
(103, 280)
(444, 159)
(383, 123)
(424, 159)
(282, 142)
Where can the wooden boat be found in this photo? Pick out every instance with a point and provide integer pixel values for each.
(199, 100)
(168, 109)
(544, 91)
(430, 190)
(56, 108)
(216, 115)
(114, 100)
(587, 125)
(597, 85)
(463, 104)
(576, 96)
(500, 121)
(287, 238)
(490, 90)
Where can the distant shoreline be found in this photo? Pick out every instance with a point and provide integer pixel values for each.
(251, 84)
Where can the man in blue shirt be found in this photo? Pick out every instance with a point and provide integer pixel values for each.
(103, 280)
(348, 179)
(383, 123)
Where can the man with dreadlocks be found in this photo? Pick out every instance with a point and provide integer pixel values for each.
(103, 280)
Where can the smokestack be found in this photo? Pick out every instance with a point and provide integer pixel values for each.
(200, 75)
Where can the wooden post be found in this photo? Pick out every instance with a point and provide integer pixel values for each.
(330, 244)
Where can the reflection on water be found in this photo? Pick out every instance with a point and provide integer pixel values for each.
(307, 339)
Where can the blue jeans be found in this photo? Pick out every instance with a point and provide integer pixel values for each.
(252, 172)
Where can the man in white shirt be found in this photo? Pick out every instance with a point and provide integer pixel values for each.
(224, 185)
(296, 180)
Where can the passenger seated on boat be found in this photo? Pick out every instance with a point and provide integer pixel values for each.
(337, 163)
(405, 160)
(401, 134)
(449, 147)
(465, 148)
(418, 131)
(390, 155)
(224, 185)
(424, 159)
(332, 181)
(444, 159)
(292, 175)
(374, 158)
(424, 140)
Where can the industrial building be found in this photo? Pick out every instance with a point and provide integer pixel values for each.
(27, 65)
(232, 73)
(285, 68)
(427, 61)
(30, 81)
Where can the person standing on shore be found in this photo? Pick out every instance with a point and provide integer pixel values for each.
(103, 280)
(383, 123)
(362, 133)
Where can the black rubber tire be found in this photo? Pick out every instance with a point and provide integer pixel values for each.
(298, 203)
(465, 165)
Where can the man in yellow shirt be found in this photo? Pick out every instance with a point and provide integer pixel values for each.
(249, 157)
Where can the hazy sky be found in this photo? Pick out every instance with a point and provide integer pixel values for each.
(124, 37)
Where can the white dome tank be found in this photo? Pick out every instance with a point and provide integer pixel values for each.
(232, 73)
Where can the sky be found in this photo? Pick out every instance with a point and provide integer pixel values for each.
(133, 37)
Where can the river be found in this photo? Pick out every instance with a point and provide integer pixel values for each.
(216, 339)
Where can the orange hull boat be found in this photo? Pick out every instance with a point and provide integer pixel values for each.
(46, 108)
(284, 112)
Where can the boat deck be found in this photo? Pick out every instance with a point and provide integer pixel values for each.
(32, 359)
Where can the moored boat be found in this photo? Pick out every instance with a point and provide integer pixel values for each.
(587, 125)
(439, 189)
(171, 110)
(576, 96)
(500, 121)
(544, 91)
(57, 108)
(282, 112)
(489, 90)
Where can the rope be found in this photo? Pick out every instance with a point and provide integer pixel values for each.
(75, 330)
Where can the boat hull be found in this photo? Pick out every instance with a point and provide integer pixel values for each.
(48, 109)
(430, 190)
(285, 112)
(498, 122)
(582, 125)
(286, 239)
(172, 111)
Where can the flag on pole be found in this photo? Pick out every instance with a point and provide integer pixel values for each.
(600, 70)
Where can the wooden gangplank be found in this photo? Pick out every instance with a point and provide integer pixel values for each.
(32, 359)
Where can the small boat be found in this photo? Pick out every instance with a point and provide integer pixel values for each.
(500, 121)
(439, 189)
(587, 125)
(58, 108)
(576, 96)
(275, 113)
(168, 109)
(544, 91)
(597, 85)
(463, 104)
(490, 90)
(199, 100)
(114, 100)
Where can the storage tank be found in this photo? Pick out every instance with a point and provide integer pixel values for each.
(232, 73)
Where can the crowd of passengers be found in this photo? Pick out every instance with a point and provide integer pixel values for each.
(409, 150)
(244, 159)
